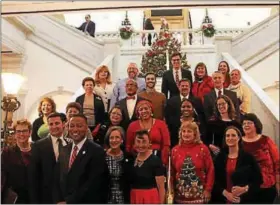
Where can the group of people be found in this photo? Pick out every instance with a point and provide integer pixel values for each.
(194, 142)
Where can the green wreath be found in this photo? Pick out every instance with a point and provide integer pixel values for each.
(208, 30)
(126, 32)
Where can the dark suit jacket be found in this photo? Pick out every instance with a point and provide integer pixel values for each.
(247, 172)
(98, 107)
(86, 181)
(173, 115)
(126, 120)
(209, 102)
(41, 172)
(90, 28)
(169, 84)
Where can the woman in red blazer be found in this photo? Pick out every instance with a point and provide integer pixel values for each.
(203, 83)
(158, 131)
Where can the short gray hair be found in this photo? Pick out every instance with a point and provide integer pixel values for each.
(110, 130)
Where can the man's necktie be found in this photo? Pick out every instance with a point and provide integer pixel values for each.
(130, 97)
(73, 156)
(177, 78)
(59, 141)
(219, 93)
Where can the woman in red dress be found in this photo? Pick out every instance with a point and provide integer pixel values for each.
(158, 131)
(267, 155)
(192, 167)
(147, 173)
(224, 68)
(203, 83)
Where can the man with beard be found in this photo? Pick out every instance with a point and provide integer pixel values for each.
(45, 154)
(119, 91)
(173, 108)
(128, 104)
(157, 99)
(81, 172)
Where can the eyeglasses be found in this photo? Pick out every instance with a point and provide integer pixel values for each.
(22, 131)
(221, 104)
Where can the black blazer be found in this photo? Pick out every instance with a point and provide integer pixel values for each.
(14, 174)
(41, 172)
(98, 107)
(86, 181)
(173, 115)
(90, 28)
(209, 102)
(247, 172)
(126, 120)
(169, 83)
(35, 127)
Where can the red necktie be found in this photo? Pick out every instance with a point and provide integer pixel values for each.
(130, 97)
(177, 78)
(219, 93)
(73, 156)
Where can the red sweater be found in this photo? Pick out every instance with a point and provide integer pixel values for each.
(267, 155)
(202, 88)
(159, 135)
(191, 163)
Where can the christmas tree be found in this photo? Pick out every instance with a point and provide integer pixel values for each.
(154, 60)
(188, 184)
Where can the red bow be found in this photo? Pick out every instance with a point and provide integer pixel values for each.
(130, 97)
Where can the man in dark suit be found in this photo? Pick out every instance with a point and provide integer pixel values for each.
(81, 172)
(88, 27)
(173, 109)
(210, 98)
(171, 78)
(128, 104)
(45, 153)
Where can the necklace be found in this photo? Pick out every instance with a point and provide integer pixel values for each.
(148, 127)
(23, 149)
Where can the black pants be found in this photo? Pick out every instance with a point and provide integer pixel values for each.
(267, 195)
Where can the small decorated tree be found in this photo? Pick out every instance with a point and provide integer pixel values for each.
(154, 60)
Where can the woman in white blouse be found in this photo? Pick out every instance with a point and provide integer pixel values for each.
(242, 91)
(104, 86)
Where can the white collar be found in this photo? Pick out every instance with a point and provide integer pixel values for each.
(182, 97)
(80, 144)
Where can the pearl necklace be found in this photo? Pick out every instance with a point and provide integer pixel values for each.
(25, 149)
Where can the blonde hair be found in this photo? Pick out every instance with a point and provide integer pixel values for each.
(192, 126)
(49, 100)
(103, 68)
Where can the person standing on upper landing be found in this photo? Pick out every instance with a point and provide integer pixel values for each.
(119, 91)
(88, 27)
(171, 78)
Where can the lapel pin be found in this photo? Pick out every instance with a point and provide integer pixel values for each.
(84, 152)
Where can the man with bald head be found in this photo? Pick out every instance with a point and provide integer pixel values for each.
(119, 91)
(210, 98)
(128, 104)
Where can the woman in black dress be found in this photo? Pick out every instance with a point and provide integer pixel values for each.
(118, 165)
(147, 173)
(224, 116)
(237, 174)
(14, 165)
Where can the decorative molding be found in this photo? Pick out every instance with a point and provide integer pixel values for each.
(22, 26)
(274, 85)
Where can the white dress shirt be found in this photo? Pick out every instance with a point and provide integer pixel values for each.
(217, 92)
(179, 74)
(55, 145)
(130, 106)
(79, 145)
(181, 96)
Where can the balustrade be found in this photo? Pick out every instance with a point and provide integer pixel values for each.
(185, 36)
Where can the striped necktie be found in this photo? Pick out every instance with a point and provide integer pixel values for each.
(73, 156)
